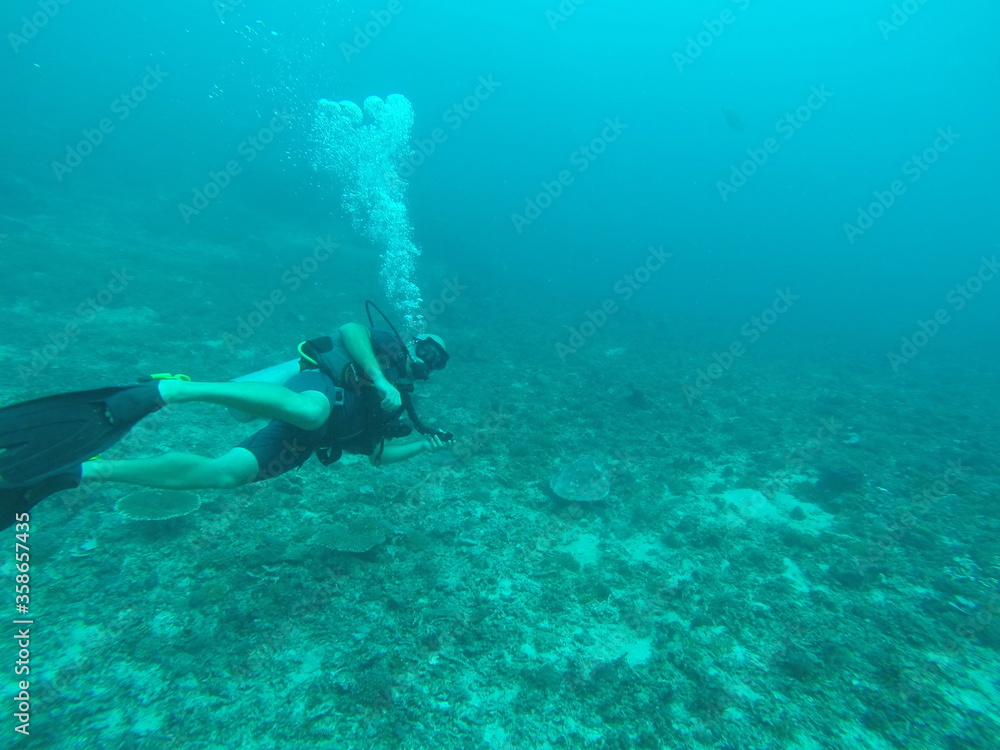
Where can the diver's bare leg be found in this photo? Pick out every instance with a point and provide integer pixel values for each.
(308, 410)
(177, 471)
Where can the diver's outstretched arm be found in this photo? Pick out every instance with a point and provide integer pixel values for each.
(394, 452)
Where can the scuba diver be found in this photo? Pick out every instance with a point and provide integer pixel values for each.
(345, 393)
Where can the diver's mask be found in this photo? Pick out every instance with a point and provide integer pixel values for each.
(427, 354)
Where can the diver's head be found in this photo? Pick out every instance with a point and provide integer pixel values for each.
(427, 353)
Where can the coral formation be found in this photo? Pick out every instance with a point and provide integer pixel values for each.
(157, 505)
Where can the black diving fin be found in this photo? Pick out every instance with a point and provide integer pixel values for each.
(17, 500)
(48, 436)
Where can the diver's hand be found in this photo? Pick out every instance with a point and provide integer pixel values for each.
(391, 400)
(434, 443)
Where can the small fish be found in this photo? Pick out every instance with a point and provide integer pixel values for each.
(734, 120)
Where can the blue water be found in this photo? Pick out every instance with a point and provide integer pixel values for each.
(675, 238)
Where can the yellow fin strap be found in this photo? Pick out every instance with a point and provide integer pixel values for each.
(305, 356)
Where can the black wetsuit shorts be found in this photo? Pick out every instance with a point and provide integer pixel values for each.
(281, 446)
